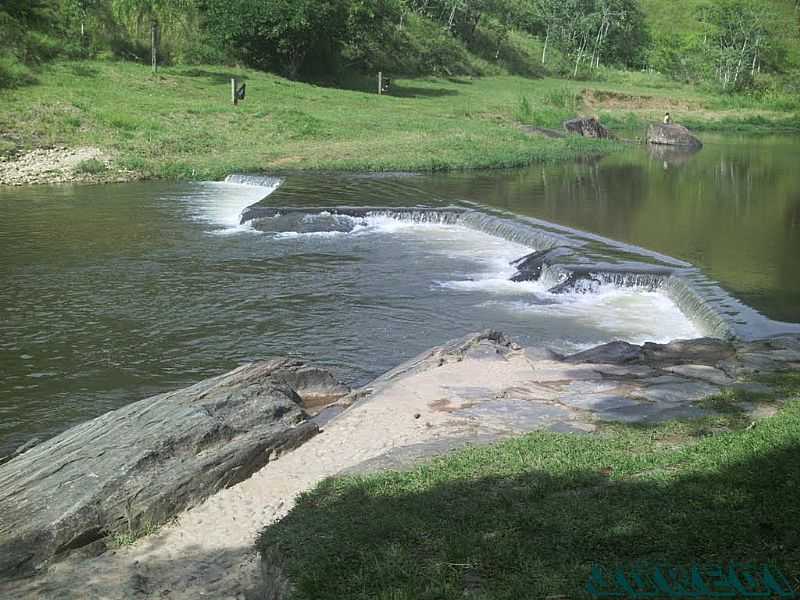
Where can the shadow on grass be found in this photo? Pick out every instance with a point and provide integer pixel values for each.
(80, 70)
(212, 76)
(369, 85)
(535, 534)
(408, 91)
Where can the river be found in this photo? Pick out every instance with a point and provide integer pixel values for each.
(112, 293)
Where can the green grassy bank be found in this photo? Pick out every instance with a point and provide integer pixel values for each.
(182, 125)
(529, 518)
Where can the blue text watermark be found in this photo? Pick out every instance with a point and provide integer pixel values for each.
(732, 580)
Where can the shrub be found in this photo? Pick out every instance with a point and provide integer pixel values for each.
(13, 73)
(91, 166)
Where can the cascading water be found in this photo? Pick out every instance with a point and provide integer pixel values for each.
(593, 264)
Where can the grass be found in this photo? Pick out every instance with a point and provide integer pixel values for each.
(531, 517)
(91, 166)
(182, 125)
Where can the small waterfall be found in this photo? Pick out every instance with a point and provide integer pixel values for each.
(702, 312)
(585, 267)
(436, 217)
(648, 281)
(511, 230)
(553, 275)
(264, 181)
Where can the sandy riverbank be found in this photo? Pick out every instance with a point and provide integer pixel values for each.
(62, 165)
(475, 390)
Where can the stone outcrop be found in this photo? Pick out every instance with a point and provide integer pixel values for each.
(672, 135)
(587, 127)
(142, 464)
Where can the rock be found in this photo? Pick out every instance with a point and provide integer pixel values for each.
(614, 353)
(702, 351)
(143, 463)
(587, 127)
(319, 387)
(703, 373)
(453, 351)
(529, 267)
(672, 135)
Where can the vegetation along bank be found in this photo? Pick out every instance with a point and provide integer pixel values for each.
(146, 83)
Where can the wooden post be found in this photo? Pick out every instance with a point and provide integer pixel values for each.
(380, 83)
(234, 96)
(154, 45)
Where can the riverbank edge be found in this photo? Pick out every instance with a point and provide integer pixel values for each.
(49, 165)
(761, 392)
(180, 125)
(738, 364)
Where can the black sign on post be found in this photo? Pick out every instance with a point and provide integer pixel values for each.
(237, 91)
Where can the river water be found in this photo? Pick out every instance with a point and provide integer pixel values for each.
(109, 294)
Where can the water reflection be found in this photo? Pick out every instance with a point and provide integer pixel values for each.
(731, 209)
(671, 156)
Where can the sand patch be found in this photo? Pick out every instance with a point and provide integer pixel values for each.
(601, 99)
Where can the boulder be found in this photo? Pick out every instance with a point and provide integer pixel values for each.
(672, 135)
(587, 127)
(142, 464)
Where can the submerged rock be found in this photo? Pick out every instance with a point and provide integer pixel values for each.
(529, 268)
(142, 464)
(587, 127)
(672, 135)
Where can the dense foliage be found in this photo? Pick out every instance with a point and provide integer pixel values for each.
(730, 43)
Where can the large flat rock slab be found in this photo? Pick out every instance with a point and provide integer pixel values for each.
(142, 464)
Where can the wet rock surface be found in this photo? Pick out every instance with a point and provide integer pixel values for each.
(142, 464)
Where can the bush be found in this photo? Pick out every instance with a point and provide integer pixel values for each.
(13, 73)
(91, 166)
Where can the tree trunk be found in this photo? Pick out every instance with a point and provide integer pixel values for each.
(580, 56)
(739, 64)
(546, 40)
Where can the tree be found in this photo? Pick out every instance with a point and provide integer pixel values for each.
(277, 35)
(156, 12)
(593, 31)
(738, 33)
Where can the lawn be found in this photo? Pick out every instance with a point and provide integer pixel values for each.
(181, 124)
(532, 517)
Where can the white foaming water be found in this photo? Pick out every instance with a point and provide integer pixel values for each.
(222, 203)
(638, 315)
(634, 314)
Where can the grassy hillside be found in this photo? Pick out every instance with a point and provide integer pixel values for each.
(181, 124)
(679, 16)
